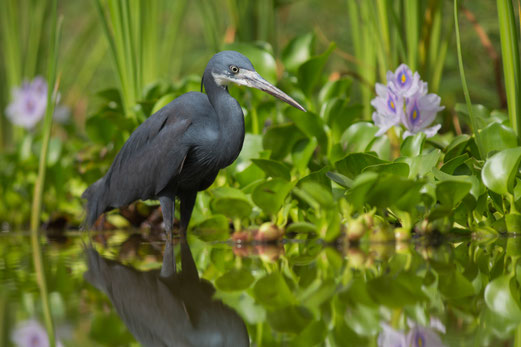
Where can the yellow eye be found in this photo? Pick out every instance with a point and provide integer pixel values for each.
(234, 69)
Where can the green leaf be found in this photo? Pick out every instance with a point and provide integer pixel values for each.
(502, 298)
(280, 139)
(354, 163)
(359, 136)
(450, 193)
(99, 129)
(412, 146)
(340, 179)
(290, 319)
(301, 227)
(215, 228)
(298, 51)
(399, 169)
(163, 101)
(339, 88)
(270, 195)
(310, 124)
(422, 164)
(497, 137)
(273, 168)
(499, 171)
(454, 285)
(54, 151)
(401, 290)
(456, 147)
(235, 280)
(231, 207)
(314, 334)
(272, 291)
(454, 163)
(303, 152)
(310, 73)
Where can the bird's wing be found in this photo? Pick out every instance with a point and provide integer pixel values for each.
(151, 157)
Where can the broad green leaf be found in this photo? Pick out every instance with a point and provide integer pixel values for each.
(412, 146)
(235, 280)
(477, 188)
(298, 51)
(450, 193)
(399, 169)
(273, 168)
(354, 163)
(231, 207)
(302, 152)
(280, 139)
(318, 192)
(270, 195)
(310, 124)
(313, 335)
(359, 136)
(401, 290)
(214, 228)
(340, 179)
(54, 151)
(272, 291)
(99, 129)
(289, 319)
(340, 88)
(310, 72)
(454, 285)
(502, 297)
(339, 116)
(162, 102)
(456, 147)
(454, 163)
(301, 227)
(499, 171)
(422, 164)
(497, 137)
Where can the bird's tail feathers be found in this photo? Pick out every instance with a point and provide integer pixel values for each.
(95, 204)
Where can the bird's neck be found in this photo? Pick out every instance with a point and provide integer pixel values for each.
(229, 119)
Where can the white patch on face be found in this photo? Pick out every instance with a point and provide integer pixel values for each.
(221, 80)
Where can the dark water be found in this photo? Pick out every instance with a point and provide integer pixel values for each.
(117, 290)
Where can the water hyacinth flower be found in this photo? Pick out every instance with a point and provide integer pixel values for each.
(405, 101)
(30, 333)
(418, 336)
(29, 103)
(389, 109)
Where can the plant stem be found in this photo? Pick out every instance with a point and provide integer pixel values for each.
(38, 188)
(511, 63)
(473, 120)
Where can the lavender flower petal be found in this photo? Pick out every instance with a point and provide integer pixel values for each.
(403, 82)
(421, 336)
(390, 337)
(29, 103)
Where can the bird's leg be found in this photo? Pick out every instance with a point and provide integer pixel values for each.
(167, 208)
(187, 206)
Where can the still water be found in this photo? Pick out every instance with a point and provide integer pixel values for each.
(115, 289)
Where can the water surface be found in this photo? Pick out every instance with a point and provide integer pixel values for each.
(116, 289)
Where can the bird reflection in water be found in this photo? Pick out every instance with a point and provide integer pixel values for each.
(165, 307)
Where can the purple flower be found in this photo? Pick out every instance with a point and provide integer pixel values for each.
(405, 100)
(29, 103)
(403, 82)
(389, 109)
(418, 336)
(420, 111)
(31, 334)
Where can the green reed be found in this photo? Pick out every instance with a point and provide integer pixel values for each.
(141, 42)
(473, 120)
(54, 43)
(386, 33)
(511, 60)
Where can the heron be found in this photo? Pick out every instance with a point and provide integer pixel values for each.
(179, 150)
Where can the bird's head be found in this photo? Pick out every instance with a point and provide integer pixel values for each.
(232, 67)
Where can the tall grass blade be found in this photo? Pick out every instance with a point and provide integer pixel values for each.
(412, 15)
(473, 120)
(511, 61)
(39, 185)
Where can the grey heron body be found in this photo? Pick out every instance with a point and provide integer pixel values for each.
(180, 149)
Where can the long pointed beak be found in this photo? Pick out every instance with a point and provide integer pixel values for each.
(254, 80)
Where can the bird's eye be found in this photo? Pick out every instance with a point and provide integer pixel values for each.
(234, 69)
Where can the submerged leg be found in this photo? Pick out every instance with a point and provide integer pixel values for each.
(187, 261)
(167, 208)
(187, 206)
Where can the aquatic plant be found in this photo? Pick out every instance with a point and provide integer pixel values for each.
(405, 101)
